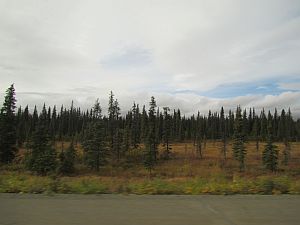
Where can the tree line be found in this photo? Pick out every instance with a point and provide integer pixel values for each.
(135, 136)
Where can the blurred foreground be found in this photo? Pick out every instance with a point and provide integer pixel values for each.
(136, 210)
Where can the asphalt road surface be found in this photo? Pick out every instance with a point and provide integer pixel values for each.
(18, 209)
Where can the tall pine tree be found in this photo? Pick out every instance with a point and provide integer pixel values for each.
(270, 153)
(8, 127)
(95, 152)
(41, 157)
(166, 133)
(239, 150)
(151, 144)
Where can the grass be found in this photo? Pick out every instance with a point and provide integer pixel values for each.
(14, 182)
(184, 174)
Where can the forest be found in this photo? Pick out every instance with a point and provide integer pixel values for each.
(147, 143)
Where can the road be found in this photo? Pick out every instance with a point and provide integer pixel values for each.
(19, 209)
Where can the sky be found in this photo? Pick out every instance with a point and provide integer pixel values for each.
(194, 55)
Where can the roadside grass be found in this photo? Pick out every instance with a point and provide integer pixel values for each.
(184, 174)
(14, 182)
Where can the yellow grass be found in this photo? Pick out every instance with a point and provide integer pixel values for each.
(184, 173)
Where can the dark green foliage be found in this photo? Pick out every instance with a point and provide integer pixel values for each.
(263, 125)
(288, 127)
(95, 152)
(270, 153)
(255, 133)
(115, 138)
(41, 157)
(8, 127)
(150, 156)
(67, 160)
(166, 133)
(135, 127)
(113, 127)
(239, 150)
(125, 142)
(223, 133)
(144, 124)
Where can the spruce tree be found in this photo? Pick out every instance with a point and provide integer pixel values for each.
(287, 137)
(19, 127)
(270, 153)
(239, 150)
(67, 160)
(41, 157)
(27, 123)
(125, 145)
(144, 124)
(255, 133)
(223, 132)
(151, 144)
(263, 125)
(8, 127)
(114, 134)
(281, 133)
(135, 129)
(95, 153)
(166, 133)
(35, 120)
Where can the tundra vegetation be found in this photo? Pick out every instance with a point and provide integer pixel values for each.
(147, 151)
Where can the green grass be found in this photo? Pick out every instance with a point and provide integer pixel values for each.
(14, 182)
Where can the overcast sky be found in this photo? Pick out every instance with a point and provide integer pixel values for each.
(191, 54)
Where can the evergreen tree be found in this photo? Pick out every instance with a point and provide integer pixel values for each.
(125, 145)
(239, 150)
(8, 127)
(135, 129)
(275, 125)
(270, 153)
(53, 125)
(255, 133)
(114, 134)
(67, 160)
(35, 120)
(26, 119)
(95, 153)
(151, 144)
(245, 125)
(20, 123)
(166, 133)
(223, 132)
(287, 137)
(41, 157)
(121, 133)
(263, 125)
(144, 124)
(281, 126)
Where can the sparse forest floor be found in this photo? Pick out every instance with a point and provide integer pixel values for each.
(184, 173)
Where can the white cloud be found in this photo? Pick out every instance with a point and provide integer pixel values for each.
(188, 103)
(58, 46)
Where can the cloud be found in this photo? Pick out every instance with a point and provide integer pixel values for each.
(214, 52)
(127, 58)
(290, 86)
(188, 103)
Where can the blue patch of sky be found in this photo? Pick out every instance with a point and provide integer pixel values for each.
(266, 87)
(128, 58)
